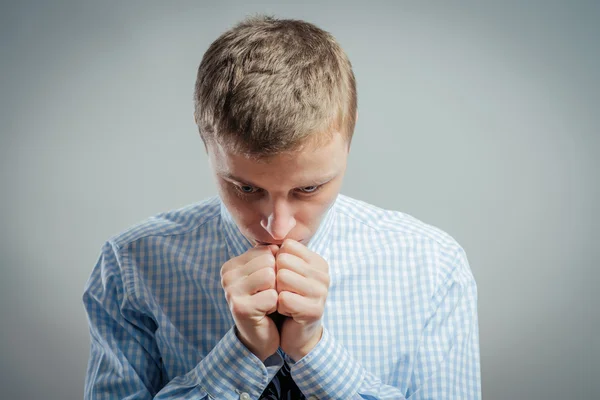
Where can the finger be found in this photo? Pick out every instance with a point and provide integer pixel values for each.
(266, 260)
(292, 263)
(258, 281)
(245, 258)
(288, 280)
(298, 307)
(265, 301)
(296, 248)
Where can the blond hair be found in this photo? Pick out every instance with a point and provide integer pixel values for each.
(271, 85)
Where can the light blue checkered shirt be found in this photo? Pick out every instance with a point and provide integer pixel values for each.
(400, 319)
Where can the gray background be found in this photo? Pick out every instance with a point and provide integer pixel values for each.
(481, 119)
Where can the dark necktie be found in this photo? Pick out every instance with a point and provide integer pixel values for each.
(282, 387)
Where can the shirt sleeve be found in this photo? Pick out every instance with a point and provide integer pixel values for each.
(446, 366)
(125, 361)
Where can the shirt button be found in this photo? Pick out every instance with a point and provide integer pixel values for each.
(244, 396)
(313, 398)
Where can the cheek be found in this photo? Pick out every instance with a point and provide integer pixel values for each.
(241, 211)
(310, 214)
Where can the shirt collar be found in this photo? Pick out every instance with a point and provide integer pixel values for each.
(238, 244)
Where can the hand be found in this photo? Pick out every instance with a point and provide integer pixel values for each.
(249, 285)
(303, 285)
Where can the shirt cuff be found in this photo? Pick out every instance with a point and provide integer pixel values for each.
(328, 371)
(230, 370)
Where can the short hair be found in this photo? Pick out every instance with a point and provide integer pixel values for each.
(268, 86)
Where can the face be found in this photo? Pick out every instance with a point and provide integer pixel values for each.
(283, 197)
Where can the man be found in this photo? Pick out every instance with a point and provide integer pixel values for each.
(281, 287)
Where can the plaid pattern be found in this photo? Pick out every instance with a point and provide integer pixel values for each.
(400, 320)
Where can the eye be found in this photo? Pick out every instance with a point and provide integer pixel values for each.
(246, 189)
(310, 189)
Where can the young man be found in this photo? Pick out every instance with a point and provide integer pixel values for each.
(281, 287)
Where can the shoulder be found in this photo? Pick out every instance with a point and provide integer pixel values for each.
(400, 234)
(173, 222)
(140, 250)
(391, 222)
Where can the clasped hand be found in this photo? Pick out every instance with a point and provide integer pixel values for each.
(291, 280)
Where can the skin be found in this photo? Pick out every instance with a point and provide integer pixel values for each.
(278, 204)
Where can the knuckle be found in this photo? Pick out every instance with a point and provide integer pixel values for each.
(238, 307)
(225, 280)
(273, 296)
(266, 275)
(225, 267)
(323, 266)
(321, 291)
(313, 312)
(283, 298)
(314, 315)
(269, 273)
(324, 278)
(228, 279)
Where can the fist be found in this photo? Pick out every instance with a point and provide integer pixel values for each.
(302, 287)
(249, 283)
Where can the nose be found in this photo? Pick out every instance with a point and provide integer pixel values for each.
(278, 220)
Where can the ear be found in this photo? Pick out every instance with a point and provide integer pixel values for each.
(355, 119)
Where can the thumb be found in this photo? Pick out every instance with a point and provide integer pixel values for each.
(274, 248)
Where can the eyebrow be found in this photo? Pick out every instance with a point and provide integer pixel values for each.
(313, 182)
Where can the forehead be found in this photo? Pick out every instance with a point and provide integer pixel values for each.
(301, 167)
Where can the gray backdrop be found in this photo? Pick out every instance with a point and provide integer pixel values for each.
(481, 119)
